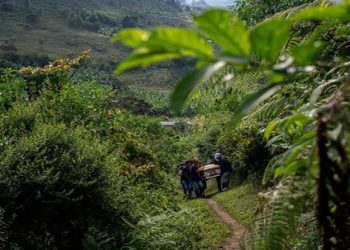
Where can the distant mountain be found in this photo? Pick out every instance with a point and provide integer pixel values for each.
(199, 5)
(57, 28)
(213, 3)
(221, 3)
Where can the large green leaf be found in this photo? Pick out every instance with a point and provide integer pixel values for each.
(340, 13)
(291, 168)
(292, 159)
(186, 42)
(268, 38)
(306, 54)
(143, 60)
(132, 37)
(297, 120)
(226, 30)
(271, 127)
(186, 85)
(183, 41)
(161, 44)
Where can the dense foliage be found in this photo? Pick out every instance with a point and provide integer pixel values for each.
(84, 166)
(253, 11)
(298, 101)
(77, 171)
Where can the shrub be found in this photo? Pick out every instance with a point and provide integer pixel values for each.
(91, 26)
(4, 64)
(76, 21)
(19, 120)
(129, 22)
(54, 185)
(245, 147)
(84, 103)
(11, 89)
(206, 144)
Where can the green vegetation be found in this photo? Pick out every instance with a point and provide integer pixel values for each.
(158, 98)
(214, 231)
(252, 13)
(86, 164)
(241, 202)
(78, 172)
(34, 32)
(295, 108)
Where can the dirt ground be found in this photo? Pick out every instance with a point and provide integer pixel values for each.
(237, 229)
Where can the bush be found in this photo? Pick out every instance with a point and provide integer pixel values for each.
(91, 26)
(245, 147)
(206, 144)
(83, 103)
(130, 21)
(54, 185)
(4, 64)
(11, 89)
(19, 120)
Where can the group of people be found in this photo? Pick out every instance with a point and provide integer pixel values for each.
(194, 181)
(191, 179)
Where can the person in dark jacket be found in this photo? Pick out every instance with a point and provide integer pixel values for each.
(184, 173)
(225, 172)
(195, 177)
(202, 180)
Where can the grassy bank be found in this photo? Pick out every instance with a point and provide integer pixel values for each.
(240, 202)
(214, 231)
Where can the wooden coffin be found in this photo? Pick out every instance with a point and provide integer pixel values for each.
(209, 171)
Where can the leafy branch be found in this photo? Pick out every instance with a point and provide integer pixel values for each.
(223, 39)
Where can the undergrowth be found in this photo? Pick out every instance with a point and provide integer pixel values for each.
(241, 202)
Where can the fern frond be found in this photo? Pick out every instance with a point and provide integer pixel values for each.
(270, 109)
(277, 227)
(227, 83)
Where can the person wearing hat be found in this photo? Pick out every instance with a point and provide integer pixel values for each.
(225, 172)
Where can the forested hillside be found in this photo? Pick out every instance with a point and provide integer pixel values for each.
(35, 31)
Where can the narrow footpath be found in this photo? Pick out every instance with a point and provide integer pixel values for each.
(237, 229)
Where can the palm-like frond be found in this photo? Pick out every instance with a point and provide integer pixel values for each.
(284, 215)
(227, 83)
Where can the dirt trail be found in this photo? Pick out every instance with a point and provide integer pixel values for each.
(237, 229)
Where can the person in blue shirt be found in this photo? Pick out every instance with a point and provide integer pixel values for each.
(223, 180)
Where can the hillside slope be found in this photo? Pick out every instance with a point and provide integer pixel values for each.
(62, 28)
